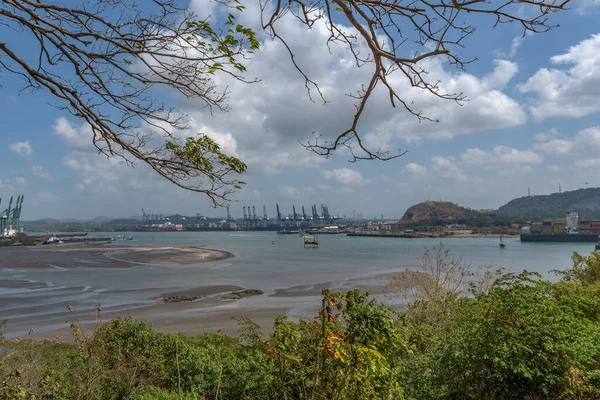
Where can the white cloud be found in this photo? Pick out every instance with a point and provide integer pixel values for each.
(20, 181)
(571, 92)
(21, 148)
(345, 176)
(515, 44)
(291, 192)
(501, 155)
(587, 163)
(586, 143)
(267, 119)
(515, 171)
(77, 137)
(545, 136)
(556, 146)
(447, 169)
(583, 6)
(336, 189)
(16, 183)
(46, 197)
(40, 171)
(553, 168)
(488, 107)
(416, 169)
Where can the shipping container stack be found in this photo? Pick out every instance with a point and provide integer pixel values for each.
(536, 228)
(596, 226)
(547, 227)
(558, 227)
(585, 226)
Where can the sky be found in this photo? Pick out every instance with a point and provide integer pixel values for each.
(531, 122)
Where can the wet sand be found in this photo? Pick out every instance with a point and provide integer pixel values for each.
(213, 311)
(206, 308)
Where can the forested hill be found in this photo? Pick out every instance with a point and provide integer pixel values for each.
(586, 202)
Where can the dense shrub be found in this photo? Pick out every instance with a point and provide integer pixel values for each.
(518, 337)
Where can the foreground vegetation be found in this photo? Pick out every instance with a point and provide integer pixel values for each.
(514, 336)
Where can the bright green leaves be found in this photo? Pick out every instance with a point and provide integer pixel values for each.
(199, 153)
(347, 352)
(585, 271)
(202, 156)
(226, 46)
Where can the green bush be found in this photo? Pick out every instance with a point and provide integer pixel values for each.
(518, 337)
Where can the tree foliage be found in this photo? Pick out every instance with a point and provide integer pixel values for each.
(106, 61)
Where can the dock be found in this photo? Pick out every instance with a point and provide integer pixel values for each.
(382, 234)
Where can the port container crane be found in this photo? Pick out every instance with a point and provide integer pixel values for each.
(315, 213)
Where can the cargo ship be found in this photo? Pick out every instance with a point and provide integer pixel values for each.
(168, 227)
(574, 231)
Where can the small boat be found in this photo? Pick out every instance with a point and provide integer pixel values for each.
(122, 237)
(502, 245)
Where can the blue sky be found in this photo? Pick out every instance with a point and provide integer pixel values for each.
(532, 121)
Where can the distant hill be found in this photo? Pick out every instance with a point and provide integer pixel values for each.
(586, 202)
(443, 213)
(435, 210)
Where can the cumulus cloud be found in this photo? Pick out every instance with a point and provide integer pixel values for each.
(500, 155)
(447, 169)
(488, 107)
(345, 176)
(571, 92)
(21, 148)
(586, 143)
(416, 169)
(79, 137)
(267, 119)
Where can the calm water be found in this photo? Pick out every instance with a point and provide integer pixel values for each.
(259, 264)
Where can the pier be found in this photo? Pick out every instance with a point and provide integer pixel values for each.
(383, 234)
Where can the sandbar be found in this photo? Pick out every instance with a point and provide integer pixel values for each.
(105, 256)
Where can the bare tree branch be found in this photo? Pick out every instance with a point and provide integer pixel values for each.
(390, 29)
(105, 61)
